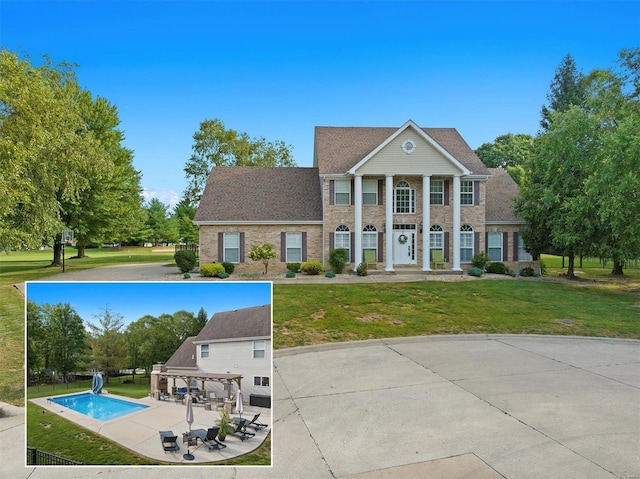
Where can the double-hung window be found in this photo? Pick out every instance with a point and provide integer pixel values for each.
(404, 198)
(261, 381)
(342, 192)
(204, 351)
(294, 248)
(523, 255)
(466, 243)
(232, 247)
(370, 241)
(494, 246)
(466, 192)
(436, 240)
(436, 195)
(369, 192)
(259, 348)
(342, 239)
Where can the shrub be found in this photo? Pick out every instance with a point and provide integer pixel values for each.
(338, 259)
(543, 268)
(312, 267)
(186, 260)
(293, 267)
(290, 274)
(497, 268)
(223, 275)
(481, 260)
(528, 271)
(229, 268)
(475, 272)
(361, 270)
(330, 274)
(210, 270)
(186, 276)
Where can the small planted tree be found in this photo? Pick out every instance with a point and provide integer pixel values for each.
(338, 260)
(263, 252)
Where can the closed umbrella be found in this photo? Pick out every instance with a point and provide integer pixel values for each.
(239, 407)
(189, 418)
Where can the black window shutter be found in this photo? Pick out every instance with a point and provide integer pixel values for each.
(476, 243)
(380, 192)
(242, 247)
(486, 242)
(220, 247)
(332, 192)
(352, 246)
(505, 246)
(446, 192)
(331, 241)
(476, 193)
(446, 246)
(353, 187)
(515, 246)
(283, 246)
(304, 246)
(380, 244)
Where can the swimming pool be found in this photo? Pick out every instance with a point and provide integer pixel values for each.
(98, 406)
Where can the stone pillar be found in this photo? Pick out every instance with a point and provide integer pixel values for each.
(426, 222)
(357, 204)
(456, 224)
(388, 215)
(228, 406)
(156, 380)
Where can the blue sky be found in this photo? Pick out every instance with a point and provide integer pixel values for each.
(134, 300)
(278, 69)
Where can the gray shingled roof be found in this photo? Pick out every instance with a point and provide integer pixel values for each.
(240, 323)
(337, 149)
(501, 191)
(249, 193)
(185, 356)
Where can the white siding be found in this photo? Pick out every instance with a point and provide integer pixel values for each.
(425, 159)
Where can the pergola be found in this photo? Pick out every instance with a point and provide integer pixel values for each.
(188, 377)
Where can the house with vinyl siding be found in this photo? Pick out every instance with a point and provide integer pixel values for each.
(390, 196)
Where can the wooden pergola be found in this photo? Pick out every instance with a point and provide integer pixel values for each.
(189, 377)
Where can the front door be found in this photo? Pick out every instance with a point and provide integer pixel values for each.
(404, 247)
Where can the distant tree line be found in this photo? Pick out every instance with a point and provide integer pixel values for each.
(60, 342)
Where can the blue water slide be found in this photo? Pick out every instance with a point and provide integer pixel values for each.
(96, 384)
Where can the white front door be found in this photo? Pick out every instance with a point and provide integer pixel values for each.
(404, 247)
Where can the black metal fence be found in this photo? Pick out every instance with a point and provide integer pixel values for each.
(41, 458)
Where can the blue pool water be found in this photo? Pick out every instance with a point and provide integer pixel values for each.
(98, 406)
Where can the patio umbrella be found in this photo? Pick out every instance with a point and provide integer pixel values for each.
(239, 407)
(189, 418)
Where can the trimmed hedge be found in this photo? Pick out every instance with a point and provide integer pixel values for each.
(497, 268)
(475, 272)
(312, 267)
(186, 260)
(211, 270)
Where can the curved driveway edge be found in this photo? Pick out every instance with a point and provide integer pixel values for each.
(499, 406)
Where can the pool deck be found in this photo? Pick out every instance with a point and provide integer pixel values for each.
(139, 431)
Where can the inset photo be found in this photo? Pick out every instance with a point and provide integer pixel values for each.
(149, 373)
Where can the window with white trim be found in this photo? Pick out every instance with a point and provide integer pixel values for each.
(370, 240)
(232, 247)
(523, 255)
(466, 192)
(436, 196)
(404, 198)
(261, 381)
(436, 240)
(466, 243)
(369, 192)
(294, 247)
(342, 191)
(494, 246)
(342, 239)
(204, 351)
(259, 349)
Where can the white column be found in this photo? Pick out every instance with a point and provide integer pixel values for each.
(357, 204)
(388, 218)
(456, 224)
(426, 222)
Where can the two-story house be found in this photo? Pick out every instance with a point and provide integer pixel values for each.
(390, 196)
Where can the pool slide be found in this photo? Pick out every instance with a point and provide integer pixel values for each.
(96, 384)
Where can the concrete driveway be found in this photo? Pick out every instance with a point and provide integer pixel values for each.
(433, 407)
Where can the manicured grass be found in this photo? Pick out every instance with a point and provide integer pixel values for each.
(117, 385)
(321, 313)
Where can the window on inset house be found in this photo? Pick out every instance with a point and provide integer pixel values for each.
(261, 381)
(342, 192)
(259, 349)
(369, 192)
(404, 198)
(370, 243)
(204, 351)
(232, 247)
(466, 243)
(494, 246)
(294, 248)
(523, 255)
(466, 192)
(437, 192)
(342, 239)
(436, 240)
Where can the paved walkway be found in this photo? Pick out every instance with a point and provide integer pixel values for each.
(497, 406)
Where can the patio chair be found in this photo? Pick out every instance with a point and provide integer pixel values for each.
(210, 439)
(241, 429)
(370, 259)
(255, 424)
(438, 258)
(169, 441)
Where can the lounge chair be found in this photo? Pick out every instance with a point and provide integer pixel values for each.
(437, 258)
(254, 423)
(370, 259)
(242, 431)
(209, 438)
(169, 441)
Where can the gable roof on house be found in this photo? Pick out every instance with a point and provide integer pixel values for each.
(185, 355)
(239, 324)
(338, 149)
(236, 194)
(501, 192)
